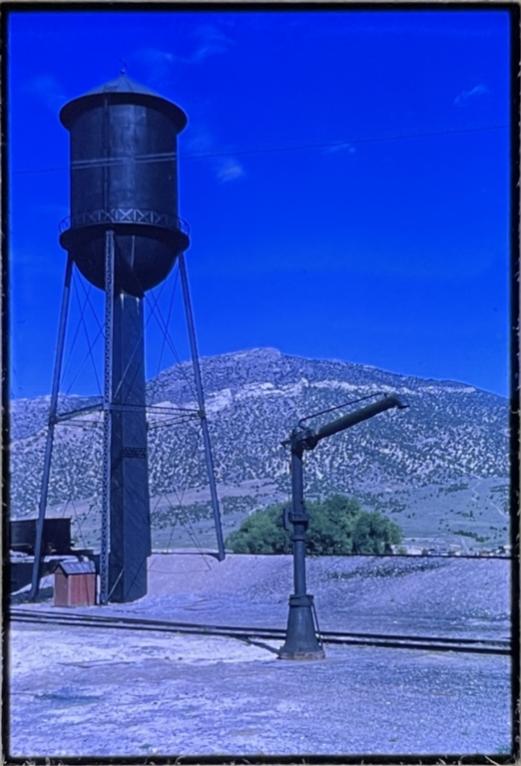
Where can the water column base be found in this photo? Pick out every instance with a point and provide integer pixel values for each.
(301, 638)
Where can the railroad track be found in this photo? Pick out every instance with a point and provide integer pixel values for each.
(394, 641)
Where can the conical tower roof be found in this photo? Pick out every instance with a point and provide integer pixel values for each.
(123, 84)
(121, 90)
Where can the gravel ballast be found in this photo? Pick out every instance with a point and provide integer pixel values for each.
(85, 692)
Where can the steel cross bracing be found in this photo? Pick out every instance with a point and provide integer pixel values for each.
(161, 410)
(125, 215)
(108, 407)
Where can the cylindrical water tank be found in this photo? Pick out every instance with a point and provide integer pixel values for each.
(123, 143)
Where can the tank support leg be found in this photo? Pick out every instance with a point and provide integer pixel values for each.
(53, 407)
(200, 403)
(107, 417)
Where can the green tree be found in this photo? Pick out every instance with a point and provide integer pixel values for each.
(374, 533)
(262, 532)
(337, 526)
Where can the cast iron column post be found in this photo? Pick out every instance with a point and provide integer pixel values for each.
(301, 639)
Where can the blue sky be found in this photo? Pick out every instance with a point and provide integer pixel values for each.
(345, 175)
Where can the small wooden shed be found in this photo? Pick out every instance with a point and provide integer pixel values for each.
(75, 583)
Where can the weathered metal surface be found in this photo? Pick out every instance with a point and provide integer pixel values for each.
(202, 411)
(55, 535)
(106, 468)
(130, 539)
(301, 636)
(125, 530)
(124, 235)
(123, 174)
(364, 413)
(53, 408)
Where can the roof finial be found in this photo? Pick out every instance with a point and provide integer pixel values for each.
(123, 67)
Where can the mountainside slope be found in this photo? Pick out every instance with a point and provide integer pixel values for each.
(441, 465)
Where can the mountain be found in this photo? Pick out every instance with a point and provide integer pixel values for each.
(439, 468)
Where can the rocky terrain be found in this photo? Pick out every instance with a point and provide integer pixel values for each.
(440, 467)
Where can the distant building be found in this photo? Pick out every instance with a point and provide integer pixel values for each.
(415, 550)
(455, 550)
(504, 550)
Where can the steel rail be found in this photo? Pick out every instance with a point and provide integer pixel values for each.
(425, 643)
(152, 622)
(148, 621)
(275, 635)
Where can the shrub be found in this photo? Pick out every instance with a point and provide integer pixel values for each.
(337, 526)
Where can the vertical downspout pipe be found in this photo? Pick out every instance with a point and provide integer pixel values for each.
(107, 416)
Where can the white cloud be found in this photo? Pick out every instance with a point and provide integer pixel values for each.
(199, 141)
(211, 41)
(478, 90)
(47, 89)
(228, 169)
(225, 168)
(156, 63)
(154, 56)
(341, 146)
(207, 41)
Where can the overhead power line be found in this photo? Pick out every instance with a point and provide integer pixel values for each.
(338, 145)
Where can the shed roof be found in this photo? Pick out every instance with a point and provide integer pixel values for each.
(76, 567)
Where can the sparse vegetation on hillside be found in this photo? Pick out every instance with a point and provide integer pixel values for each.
(449, 433)
(338, 526)
(444, 456)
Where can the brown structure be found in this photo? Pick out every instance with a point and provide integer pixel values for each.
(56, 535)
(75, 583)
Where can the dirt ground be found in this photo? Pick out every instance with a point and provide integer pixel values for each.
(96, 692)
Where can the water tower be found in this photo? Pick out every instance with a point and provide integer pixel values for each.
(124, 235)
